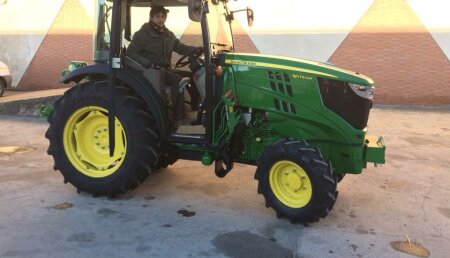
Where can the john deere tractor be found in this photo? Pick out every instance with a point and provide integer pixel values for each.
(302, 123)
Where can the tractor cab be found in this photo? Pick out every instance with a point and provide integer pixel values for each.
(214, 39)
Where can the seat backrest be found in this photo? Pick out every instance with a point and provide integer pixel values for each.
(154, 76)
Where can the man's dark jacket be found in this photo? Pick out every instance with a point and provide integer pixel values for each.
(150, 47)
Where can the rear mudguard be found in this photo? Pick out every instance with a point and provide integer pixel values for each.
(134, 80)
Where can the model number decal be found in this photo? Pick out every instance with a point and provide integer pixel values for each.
(240, 62)
(302, 77)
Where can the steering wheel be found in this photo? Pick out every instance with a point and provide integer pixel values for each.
(194, 54)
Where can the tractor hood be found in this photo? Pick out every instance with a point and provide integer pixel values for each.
(303, 66)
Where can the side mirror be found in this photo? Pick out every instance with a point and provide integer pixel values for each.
(195, 10)
(250, 17)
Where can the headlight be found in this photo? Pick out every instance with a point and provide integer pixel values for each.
(363, 91)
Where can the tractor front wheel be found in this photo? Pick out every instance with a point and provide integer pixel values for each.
(79, 139)
(296, 181)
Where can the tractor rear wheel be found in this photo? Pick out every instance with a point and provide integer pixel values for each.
(296, 181)
(79, 139)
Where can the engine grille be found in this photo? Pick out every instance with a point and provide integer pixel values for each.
(281, 84)
(340, 98)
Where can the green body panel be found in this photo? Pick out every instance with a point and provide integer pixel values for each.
(249, 87)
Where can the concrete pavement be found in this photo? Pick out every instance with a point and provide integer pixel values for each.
(185, 211)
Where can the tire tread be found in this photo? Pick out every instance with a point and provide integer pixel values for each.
(319, 171)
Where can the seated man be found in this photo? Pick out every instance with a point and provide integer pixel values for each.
(152, 46)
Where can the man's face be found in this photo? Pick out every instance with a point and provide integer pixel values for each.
(159, 19)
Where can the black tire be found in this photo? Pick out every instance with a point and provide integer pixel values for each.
(309, 160)
(2, 87)
(142, 147)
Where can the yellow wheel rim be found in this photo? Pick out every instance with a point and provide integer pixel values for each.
(290, 184)
(86, 142)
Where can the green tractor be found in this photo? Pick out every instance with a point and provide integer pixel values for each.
(302, 123)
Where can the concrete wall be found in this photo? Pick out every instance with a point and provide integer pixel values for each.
(22, 30)
(403, 44)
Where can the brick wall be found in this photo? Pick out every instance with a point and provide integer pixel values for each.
(391, 45)
(242, 42)
(69, 38)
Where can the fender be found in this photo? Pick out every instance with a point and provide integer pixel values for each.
(133, 79)
(78, 74)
